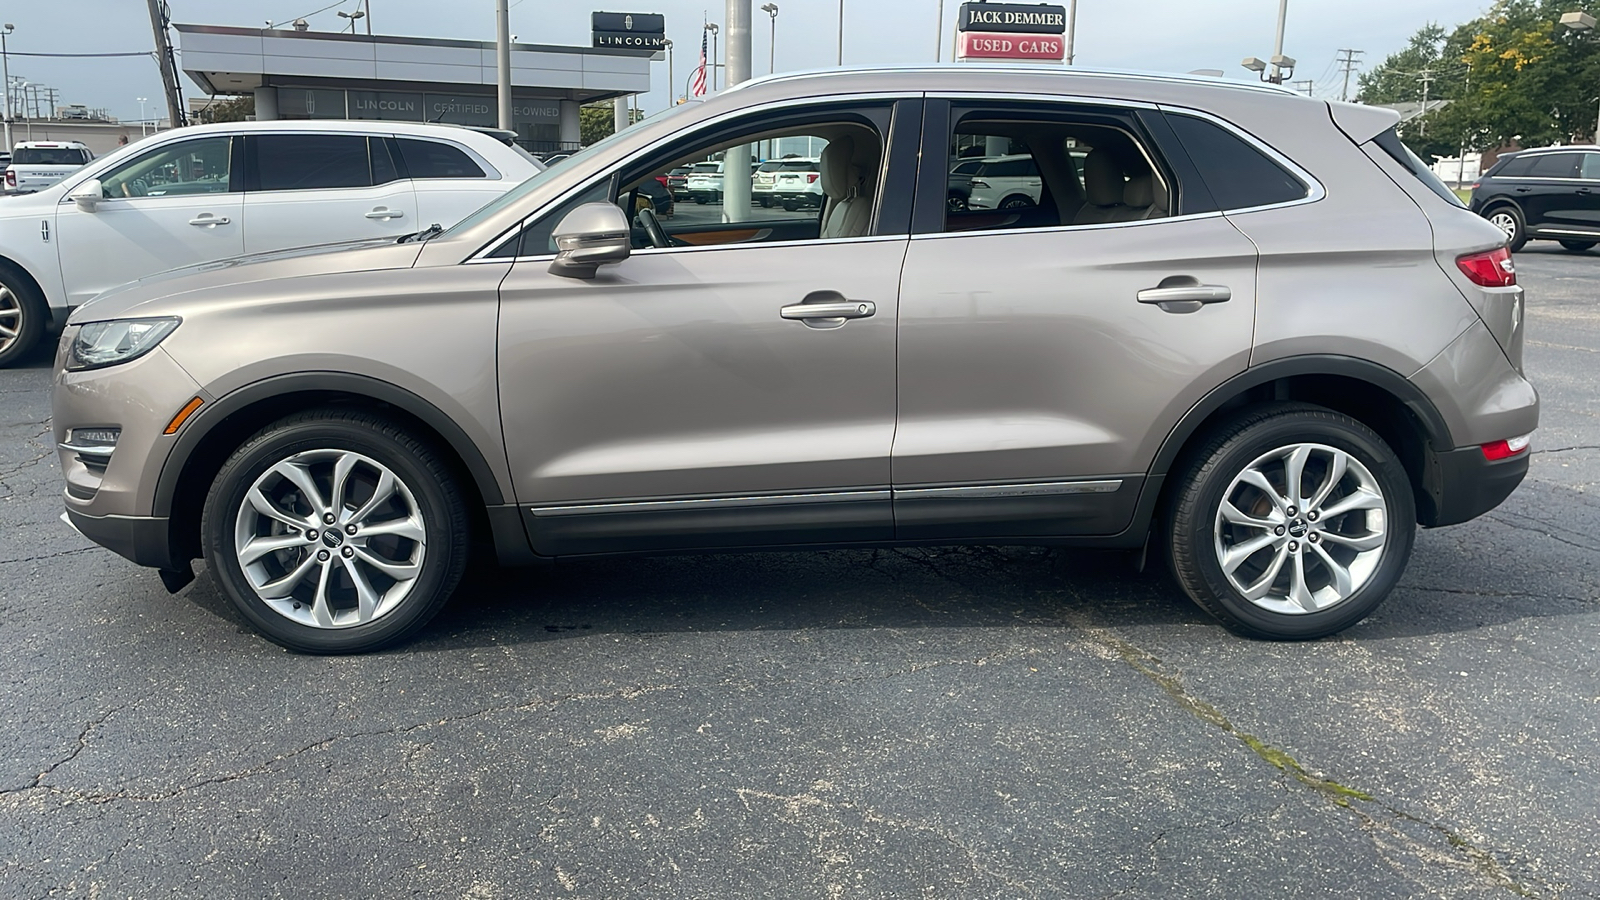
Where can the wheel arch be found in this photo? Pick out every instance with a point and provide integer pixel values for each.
(222, 425)
(1374, 395)
(11, 264)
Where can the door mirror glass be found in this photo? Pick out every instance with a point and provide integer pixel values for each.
(589, 237)
(87, 194)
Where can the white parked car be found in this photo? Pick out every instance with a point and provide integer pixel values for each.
(1005, 182)
(36, 165)
(705, 182)
(195, 195)
(792, 183)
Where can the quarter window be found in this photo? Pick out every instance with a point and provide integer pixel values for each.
(300, 162)
(201, 166)
(1591, 166)
(1516, 167)
(431, 159)
(1238, 174)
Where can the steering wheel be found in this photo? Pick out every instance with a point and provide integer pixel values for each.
(652, 228)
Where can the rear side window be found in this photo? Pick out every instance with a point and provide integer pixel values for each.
(1516, 167)
(301, 162)
(431, 159)
(1392, 145)
(1555, 165)
(1591, 167)
(1239, 175)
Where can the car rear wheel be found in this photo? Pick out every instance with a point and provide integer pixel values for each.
(1291, 522)
(22, 316)
(1016, 201)
(1509, 220)
(1579, 246)
(335, 532)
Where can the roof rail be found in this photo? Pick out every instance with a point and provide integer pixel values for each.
(1019, 69)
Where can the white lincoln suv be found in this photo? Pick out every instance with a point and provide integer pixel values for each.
(196, 195)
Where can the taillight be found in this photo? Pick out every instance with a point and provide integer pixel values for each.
(1493, 268)
(811, 177)
(11, 178)
(1476, 185)
(1507, 448)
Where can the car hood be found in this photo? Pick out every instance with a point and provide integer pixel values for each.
(167, 292)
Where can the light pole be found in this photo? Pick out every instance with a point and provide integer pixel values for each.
(712, 27)
(1072, 29)
(841, 32)
(938, 39)
(358, 14)
(142, 132)
(1578, 22)
(1279, 62)
(771, 9)
(672, 101)
(5, 63)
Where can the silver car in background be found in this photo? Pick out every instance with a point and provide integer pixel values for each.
(1246, 333)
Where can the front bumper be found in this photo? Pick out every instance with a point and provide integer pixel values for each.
(145, 540)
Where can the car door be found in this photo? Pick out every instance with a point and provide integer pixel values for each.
(171, 206)
(1549, 194)
(1044, 355)
(1583, 211)
(709, 392)
(313, 188)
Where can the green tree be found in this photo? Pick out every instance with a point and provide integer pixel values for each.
(598, 121)
(231, 109)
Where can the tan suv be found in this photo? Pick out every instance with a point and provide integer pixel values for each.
(1240, 329)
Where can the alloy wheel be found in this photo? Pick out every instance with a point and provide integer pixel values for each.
(10, 318)
(1302, 528)
(1506, 222)
(330, 539)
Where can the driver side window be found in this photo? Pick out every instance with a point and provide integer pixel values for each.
(200, 166)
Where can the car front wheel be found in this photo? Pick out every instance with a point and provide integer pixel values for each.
(1509, 220)
(335, 531)
(1291, 522)
(22, 316)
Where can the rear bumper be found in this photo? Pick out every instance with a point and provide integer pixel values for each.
(142, 539)
(1463, 485)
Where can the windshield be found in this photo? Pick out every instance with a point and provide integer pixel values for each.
(515, 195)
(50, 156)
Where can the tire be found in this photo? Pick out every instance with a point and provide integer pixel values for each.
(1509, 220)
(423, 546)
(1371, 539)
(1016, 201)
(790, 205)
(23, 316)
(955, 203)
(1579, 246)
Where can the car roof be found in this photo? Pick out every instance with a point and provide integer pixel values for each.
(1536, 151)
(54, 145)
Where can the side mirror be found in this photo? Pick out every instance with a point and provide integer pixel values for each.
(88, 194)
(589, 237)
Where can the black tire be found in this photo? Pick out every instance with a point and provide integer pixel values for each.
(413, 462)
(790, 205)
(22, 311)
(1226, 452)
(955, 203)
(1016, 201)
(1508, 218)
(1578, 246)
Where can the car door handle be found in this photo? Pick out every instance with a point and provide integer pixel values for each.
(1524, 190)
(206, 219)
(1584, 191)
(828, 313)
(1184, 298)
(385, 213)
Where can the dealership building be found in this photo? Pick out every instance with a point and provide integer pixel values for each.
(322, 75)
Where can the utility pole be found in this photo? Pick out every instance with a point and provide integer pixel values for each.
(1308, 86)
(1426, 75)
(502, 56)
(168, 64)
(1348, 63)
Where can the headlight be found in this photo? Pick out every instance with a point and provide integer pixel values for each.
(100, 344)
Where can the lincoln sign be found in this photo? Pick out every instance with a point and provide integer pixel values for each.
(1012, 31)
(629, 31)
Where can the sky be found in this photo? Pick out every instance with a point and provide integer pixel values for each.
(1151, 35)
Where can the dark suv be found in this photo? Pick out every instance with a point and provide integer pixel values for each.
(1550, 194)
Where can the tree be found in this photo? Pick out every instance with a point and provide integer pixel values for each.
(599, 121)
(232, 109)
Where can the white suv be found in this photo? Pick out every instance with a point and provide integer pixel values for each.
(1005, 182)
(792, 183)
(195, 195)
(36, 165)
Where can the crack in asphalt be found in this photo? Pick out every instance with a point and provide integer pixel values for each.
(23, 559)
(83, 742)
(1482, 860)
(1549, 534)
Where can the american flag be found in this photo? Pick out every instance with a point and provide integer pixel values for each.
(697, 85)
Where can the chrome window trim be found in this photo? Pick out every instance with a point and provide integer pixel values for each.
(1541, 230)
(834, 100)
(1314, 189)
(639, 506)
(1006, 491)
(654, 251)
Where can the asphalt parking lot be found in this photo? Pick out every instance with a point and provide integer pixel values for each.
(956, 723)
